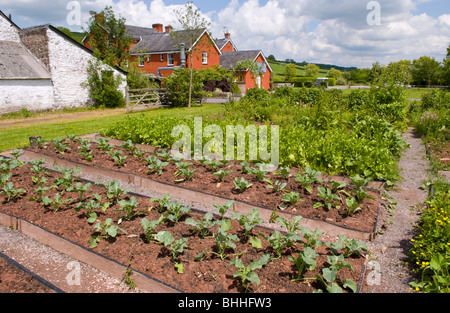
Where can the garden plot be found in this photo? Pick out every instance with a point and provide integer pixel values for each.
(175, 246)
(333, 205)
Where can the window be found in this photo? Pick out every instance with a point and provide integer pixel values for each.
(205, 57)
(170, 59)
(141, 61)
(162, 57)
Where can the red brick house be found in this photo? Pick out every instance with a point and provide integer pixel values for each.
(158, 53)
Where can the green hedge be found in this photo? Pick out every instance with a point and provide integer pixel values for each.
(304, 81)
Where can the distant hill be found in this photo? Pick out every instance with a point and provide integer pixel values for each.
(320, 65)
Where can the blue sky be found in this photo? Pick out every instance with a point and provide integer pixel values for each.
(321, 31)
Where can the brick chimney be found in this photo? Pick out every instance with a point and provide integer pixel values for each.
(158, 27)
(169, 29)
(227, 35)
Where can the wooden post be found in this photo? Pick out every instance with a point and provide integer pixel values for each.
(127, 95)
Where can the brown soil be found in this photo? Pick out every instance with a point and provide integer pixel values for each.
(258, 194)
(206, 276)
(15, 280)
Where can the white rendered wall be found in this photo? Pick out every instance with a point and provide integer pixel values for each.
(8, 32)
(68, 65)
(33, 95)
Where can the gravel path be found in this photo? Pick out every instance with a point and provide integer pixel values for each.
(388, 271)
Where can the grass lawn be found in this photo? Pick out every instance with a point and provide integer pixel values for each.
(15, 135)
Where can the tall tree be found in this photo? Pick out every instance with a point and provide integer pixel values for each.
(312, 70)
(425, 70)
(191, 22)
(108, 35)
(290, 71)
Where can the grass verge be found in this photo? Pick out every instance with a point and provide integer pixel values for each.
(15, 136)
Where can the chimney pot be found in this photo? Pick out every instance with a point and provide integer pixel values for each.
(158, 27)
(227, 35)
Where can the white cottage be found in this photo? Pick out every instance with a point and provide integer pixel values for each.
(41, 68)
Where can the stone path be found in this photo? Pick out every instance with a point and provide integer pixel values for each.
(390, 249)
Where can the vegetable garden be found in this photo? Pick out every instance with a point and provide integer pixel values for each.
(265, 248)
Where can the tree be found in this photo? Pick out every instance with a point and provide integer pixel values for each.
(271, 58)
(290, 71)
(425, 70)
(192, 22)
(312, 70)
(334, 73)
(108, 35)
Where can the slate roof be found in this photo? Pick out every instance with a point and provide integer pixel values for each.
(17, 63)
(162, 42)
(137, 32)
(230, 59)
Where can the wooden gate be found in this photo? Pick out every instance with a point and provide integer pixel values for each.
(143, 98)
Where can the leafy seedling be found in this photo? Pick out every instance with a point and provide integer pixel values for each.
(241, 184)
(203, 226)
(149, 228)
(305, 260)
(157, 166)
(11, 192)
(275, 186)
(128, 207)
(222, 174)
(327, 197)
(163, 202)
(308, 178)
(107, 230)
(56, 203)
(291, 198)
(176, 247)
(248, 221)
(247, 274)
(223, 208)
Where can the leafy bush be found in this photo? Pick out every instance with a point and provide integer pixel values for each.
(177, 86)
(103, 86)
(430, 252)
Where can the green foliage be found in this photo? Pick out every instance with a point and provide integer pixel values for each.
(176, 247)
(305, 259)
(104, 86)
(106, 230)
(430, 251)
(11, 192)
(241, 184)
(247, 274)
(203, 227)
(248, 221)
(178, 87)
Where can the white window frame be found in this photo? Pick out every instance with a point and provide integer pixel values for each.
(170, 59)
(205, 57)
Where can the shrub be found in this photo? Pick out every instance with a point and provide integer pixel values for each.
(177, 86)
(103, 86)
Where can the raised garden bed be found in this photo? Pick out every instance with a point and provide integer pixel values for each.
(63, 212)
(207, 188)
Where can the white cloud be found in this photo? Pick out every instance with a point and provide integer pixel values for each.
(341, 34)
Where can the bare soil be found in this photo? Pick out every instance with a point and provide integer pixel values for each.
(207, 276)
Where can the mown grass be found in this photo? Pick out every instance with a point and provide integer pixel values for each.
(15, 136)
